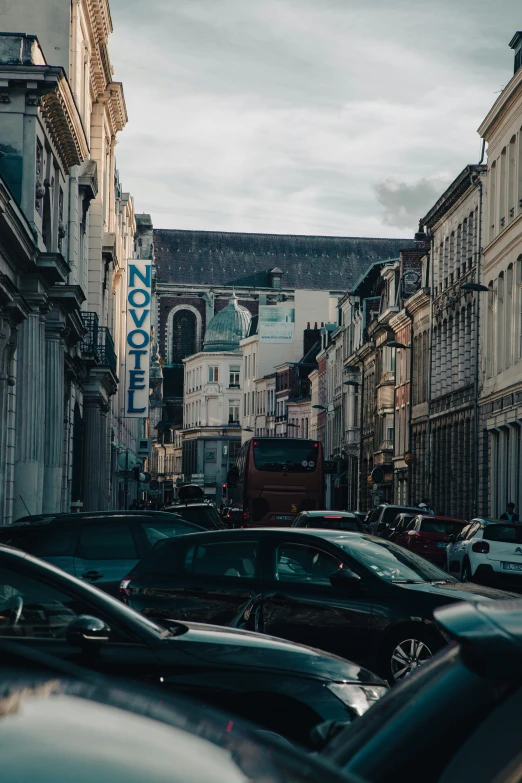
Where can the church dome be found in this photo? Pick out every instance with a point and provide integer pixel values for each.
(227, 328)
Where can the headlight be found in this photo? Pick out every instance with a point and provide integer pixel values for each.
(358, 697)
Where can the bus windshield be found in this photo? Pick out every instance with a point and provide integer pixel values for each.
(286, 455)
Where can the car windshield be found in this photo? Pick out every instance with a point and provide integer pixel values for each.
(439, 526)
(503, 533)
(392, 563)
(290, 456)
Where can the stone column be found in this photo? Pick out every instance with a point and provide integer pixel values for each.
(30, 408)
(94, 438)
(54, 417)
(8, 335)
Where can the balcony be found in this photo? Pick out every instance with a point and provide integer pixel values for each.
(97, 344)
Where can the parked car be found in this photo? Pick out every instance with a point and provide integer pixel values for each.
(392, 531)
(348, 593)
(283, 687)
(60, 721)
(200, 513)
(457, 718)
(98, 547)
(330, 520)
(428, 536)
(379, 518)
(487, 550)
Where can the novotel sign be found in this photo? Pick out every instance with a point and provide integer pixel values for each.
(137, 355)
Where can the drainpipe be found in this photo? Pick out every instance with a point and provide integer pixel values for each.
(431, 256)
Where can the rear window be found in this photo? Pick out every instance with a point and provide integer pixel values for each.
(503, 533)
(160, 561)
(45, 542)
(390, 512)
(159, 531)
(333, 522)
(446, 528)
(290, 456)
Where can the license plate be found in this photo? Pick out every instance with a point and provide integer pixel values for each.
(512, 566)
(283, 518)
(441, 544)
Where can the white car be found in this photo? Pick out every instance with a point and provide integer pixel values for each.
(486, 548)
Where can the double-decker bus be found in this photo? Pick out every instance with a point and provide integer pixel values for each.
(274, 479)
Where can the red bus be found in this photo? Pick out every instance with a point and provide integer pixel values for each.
(274, 479)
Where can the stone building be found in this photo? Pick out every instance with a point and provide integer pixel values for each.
(500, 423)
(211, 434)
(58, 129)
(454, 226)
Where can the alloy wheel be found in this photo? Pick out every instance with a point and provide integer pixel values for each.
(407, 656)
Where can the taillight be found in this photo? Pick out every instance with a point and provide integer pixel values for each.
(245, 515)
(124, 586)
(482, 547)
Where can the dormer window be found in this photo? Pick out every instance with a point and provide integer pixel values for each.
(516, 45)
(276, 278)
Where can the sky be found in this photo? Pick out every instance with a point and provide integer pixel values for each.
(328, 117)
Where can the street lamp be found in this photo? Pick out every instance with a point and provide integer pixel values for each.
(351, 383)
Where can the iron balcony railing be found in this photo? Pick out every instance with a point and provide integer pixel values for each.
(97, 343)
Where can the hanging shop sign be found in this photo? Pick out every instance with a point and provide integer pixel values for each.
(137, 356)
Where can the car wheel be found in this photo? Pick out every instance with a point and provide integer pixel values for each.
(407, 651)
(466, 571)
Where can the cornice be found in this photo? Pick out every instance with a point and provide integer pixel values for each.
(509, 95)
(64, 124)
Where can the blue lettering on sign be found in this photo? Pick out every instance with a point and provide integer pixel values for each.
(133, 294)
(130, 405)
(138, 339)
(132, 336)
(134, 377)
(135, 272)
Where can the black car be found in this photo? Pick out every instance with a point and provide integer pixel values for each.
(203, 514)
(348, 593)
(329, 520)
(99, 547)
(61, 722)
(285, 688)
(455, 720)
(379, 518)
(397, 526)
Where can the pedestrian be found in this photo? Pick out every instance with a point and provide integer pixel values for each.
(509, 515)
(426, 508)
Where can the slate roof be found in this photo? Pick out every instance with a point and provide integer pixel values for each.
(234, 259)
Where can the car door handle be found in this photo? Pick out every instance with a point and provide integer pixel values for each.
(92, 576)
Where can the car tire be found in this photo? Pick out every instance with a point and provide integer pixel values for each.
(466, 575)
(406, 650)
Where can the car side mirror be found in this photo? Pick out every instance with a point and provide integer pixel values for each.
(343, 579)
(88, 632)
(323, 733)
(452, 538)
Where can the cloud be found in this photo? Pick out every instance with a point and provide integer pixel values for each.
(406, 203)
(281, 115)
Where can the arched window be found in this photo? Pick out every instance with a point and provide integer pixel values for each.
(183, 335)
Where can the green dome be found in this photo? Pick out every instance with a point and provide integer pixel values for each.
(227, 328)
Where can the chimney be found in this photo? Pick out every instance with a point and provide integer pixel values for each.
(516, 45)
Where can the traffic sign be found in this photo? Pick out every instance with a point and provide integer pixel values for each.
(154, 484)
(377, 475)
(330, 467)
(146, 478)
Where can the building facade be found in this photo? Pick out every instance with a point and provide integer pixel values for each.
(59, 119)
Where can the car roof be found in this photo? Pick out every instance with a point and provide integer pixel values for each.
(487, 521)
(266, 532)
(329, 513)
(441, 518)
(101, 516)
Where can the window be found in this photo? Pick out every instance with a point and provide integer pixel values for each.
(46, 541)
(295, 456)
(107, 542)
(302, 563)
(230, 558)
(213, 374)
(233, 377)
(253, 365)
(233, 412)
(151, 533)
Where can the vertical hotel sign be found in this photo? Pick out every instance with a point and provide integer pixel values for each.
(137, 356)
